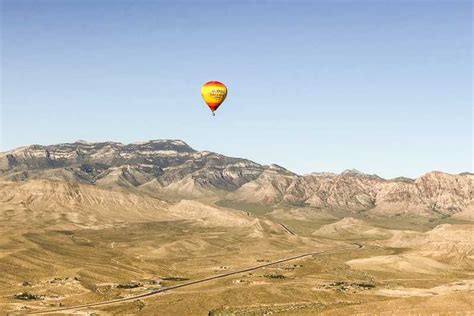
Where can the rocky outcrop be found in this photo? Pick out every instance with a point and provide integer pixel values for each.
(171, 167)
(435, 193)
(165, 163)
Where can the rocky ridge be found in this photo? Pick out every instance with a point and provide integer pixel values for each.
(173, 168)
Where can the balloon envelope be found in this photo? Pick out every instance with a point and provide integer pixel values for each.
(213, 93)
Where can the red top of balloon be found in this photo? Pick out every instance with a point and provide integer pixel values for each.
(214, 83)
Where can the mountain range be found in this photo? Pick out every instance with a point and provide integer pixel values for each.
(171, 168)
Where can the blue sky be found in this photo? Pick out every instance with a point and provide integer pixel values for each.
(381, 86)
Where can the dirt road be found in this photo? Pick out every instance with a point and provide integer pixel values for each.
(186, 284)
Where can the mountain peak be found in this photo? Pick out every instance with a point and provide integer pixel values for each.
(170, 166)
(353, 172)
(81, 141)
(357, 173)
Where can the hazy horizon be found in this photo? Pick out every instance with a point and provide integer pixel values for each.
(383, 87)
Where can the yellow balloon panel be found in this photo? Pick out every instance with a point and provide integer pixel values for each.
(213, 94)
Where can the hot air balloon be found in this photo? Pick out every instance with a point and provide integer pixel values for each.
(213, 93)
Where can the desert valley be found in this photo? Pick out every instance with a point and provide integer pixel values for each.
(158, 228)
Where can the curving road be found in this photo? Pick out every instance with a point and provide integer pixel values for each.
(169, 288)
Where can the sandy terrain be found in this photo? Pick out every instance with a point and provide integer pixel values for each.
(69, 244)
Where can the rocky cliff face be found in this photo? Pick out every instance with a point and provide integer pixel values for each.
(172, 167)
(435, 192)
(155, 164)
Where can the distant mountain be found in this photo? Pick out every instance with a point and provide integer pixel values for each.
(158, 165)
(435, 193)
(174, 169)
